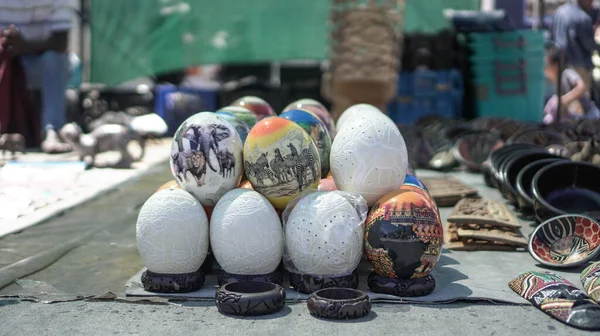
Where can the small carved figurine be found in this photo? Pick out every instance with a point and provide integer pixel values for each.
(12, 143)
(108, 137)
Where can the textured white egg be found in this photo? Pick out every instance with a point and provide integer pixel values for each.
(246, 234)
(324, 235)
(369, 157)
(172, 232)
(354, 111)
(206, 157)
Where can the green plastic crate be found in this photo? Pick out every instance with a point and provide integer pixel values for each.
(524, 106)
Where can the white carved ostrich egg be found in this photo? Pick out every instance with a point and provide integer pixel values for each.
(369, 157)
(324, 234)
(354, 111)
(246, 234)
(172, 232)
(206, 157)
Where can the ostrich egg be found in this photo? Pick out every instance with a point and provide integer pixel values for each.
(206, 157)
(403, 235)
(242, 114)
(317, 131)
(172, 232)
(324, 234)
(317, 109)
(258, 106)
(241, 127)
(246, 234)
(168, 185)
(369, 157)
(359, 110)
(281, 160)
(327, 184)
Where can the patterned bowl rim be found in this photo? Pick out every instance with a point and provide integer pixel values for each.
(589, 257)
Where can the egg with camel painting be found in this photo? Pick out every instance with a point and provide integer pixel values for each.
(206, 157)
(317, 131)
(258, 106)
(281, 160)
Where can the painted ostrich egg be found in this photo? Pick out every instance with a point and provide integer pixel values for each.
(369, 157)
(242, 114)
(240, 127)
(403, 236)
(206, 157)
(359, 110)
(168, 185)
(324, 234)
(411, 179)
(317, 109)
(317, 131)
(172, 232)
(258, 106)
(327, 184)
(246, 234)
(246, 185)
(281, 160)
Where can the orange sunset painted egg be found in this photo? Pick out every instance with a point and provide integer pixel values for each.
(281, 160)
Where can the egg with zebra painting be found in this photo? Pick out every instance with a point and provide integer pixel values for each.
(317, 131)
(206, 157)
(281, 160)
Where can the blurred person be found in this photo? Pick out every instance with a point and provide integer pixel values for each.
(575, 99)
(573, 32)
(37, 31)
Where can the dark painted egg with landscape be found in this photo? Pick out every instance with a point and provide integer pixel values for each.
(258, 106)
(404, 235)
(206, 157)
(281, 160)
(317, 131)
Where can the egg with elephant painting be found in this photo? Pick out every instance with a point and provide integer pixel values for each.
(317, 131)
(206, 157)
(317, 109)
(258, 106)
(281, 160)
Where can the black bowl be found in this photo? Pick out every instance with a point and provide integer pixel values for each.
(501, 174)
(566, 187)
(509, 177)
(524, 180)
(498, 156)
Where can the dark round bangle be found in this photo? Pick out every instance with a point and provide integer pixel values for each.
(250, 298)
(308, 284)
(401, 287)
(225, 277)
(339, 303)
(172, 283)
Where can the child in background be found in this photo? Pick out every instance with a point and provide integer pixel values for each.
(575, 98)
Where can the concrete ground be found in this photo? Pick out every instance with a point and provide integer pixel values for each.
(110, 318)
(90, 250)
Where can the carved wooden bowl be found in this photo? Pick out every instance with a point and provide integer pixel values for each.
(565, 241)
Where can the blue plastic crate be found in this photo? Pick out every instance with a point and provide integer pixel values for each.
(176, 104)
(435, 92)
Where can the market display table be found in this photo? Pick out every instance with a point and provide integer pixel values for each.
(460, 275)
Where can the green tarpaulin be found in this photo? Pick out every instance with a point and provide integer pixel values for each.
(134, 38)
